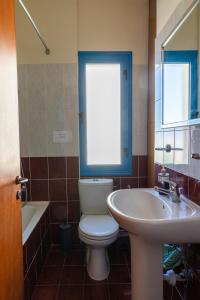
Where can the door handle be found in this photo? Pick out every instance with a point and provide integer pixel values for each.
(21, 180)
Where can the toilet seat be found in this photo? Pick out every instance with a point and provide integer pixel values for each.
(98, 227)
(92, 238)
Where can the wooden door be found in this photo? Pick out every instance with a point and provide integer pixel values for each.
(11, 267)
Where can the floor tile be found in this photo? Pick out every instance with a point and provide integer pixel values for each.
(55, 258)
(90, 281)
(72, 275)
(119, 274)
(45, 293)
(117, 257)
(120, 291)
(66, 278)
(70, 292)
(193, 290)
(96, 292)
(75, 258)
(128, 257)
(50, 275)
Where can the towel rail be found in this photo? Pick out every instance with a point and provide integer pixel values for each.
(168, 148)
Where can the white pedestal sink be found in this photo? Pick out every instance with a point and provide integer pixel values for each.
(152, 220)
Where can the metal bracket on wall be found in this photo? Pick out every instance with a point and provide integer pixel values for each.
(196, 155)
(168, 148)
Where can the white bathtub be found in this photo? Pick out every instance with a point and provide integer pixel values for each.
(31, 214)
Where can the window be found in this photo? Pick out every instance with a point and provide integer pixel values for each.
(180, 80)
(105, 97)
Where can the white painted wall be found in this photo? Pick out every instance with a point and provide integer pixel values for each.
(189, 29)
(57, 21)
(165, 8)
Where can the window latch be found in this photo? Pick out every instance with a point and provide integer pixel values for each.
(125, 151)
(125, 72)
(81, 116)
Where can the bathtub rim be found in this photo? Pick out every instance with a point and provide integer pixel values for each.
(41, 208)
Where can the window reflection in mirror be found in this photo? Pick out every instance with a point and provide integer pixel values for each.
(180, 95)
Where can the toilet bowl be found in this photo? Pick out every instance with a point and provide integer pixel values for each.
(97, 229)
(97, 232)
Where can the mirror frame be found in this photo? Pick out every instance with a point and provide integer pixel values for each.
(179, 16)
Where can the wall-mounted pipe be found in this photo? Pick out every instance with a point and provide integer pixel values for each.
(47, 50)
(171, 277)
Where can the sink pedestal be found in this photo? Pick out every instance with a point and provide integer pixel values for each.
(146, 269)
(151, 219)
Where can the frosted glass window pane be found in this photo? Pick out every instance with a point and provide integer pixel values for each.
(103, 114)
(176, 92)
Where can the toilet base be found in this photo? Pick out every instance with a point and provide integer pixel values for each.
(98, 266)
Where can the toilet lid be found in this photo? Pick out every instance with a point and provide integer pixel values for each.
(98, 225)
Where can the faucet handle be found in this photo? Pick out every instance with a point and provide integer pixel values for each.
(175, 191)
(172, 183)
(173, 186)
(180, 189)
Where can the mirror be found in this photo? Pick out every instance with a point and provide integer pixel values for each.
(180, 69)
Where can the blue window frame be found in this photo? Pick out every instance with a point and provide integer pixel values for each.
(190, 57)
(124, 60)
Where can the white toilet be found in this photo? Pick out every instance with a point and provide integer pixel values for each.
(97, 229)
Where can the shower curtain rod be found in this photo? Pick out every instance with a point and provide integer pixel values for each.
(47, 50)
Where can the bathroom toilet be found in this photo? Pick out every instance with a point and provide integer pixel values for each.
(97, 229)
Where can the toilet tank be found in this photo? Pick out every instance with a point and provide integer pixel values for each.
(93, 194)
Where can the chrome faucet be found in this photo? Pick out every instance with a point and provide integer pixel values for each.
(173, 192)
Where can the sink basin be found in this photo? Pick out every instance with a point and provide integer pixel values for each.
(151, 220)
(146, 213)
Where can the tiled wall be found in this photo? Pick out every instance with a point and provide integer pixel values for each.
(48, 102)
(184, 170)
(56, 179)
(182, 167)
(34, 253)
(190, 187)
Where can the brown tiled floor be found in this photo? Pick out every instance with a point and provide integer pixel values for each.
(66, 278)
